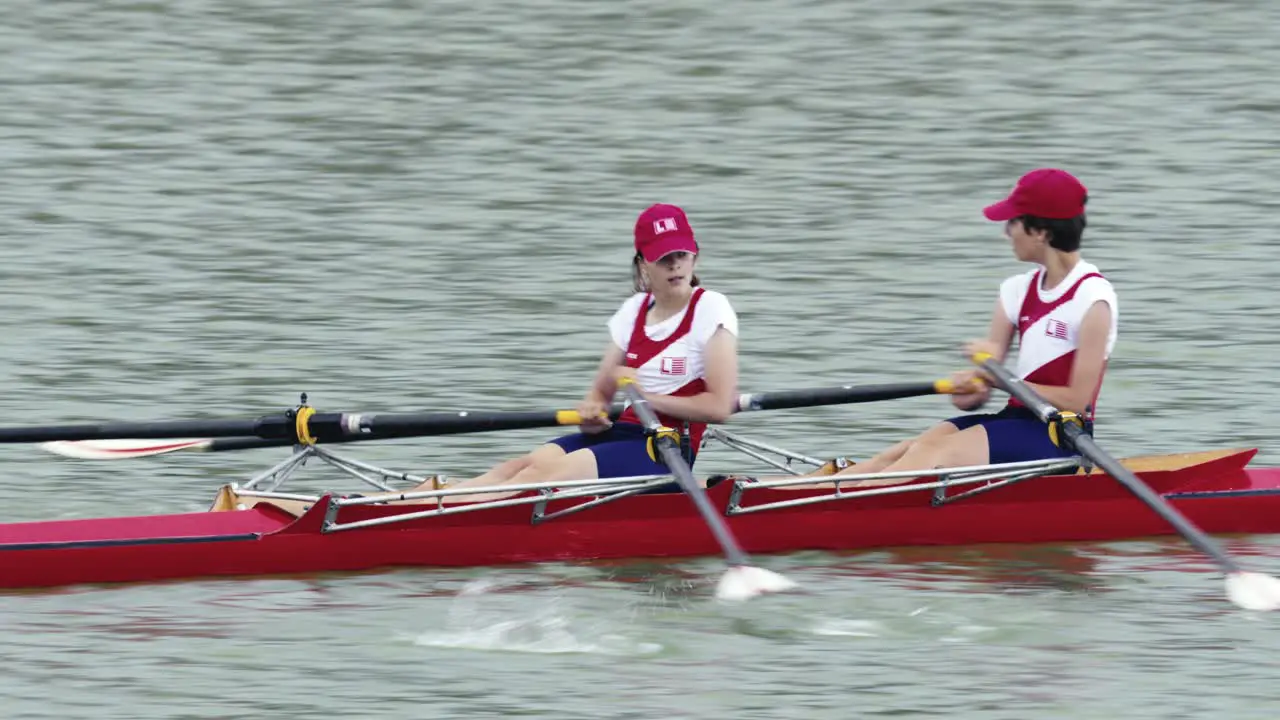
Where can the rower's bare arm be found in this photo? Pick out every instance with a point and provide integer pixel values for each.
(999, 336)
(1000, 332)
(716, 404)
(1091, 355)
(595, 404)
(605, 385)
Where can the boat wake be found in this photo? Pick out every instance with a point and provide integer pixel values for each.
(549, 636)
(850, 628)
(544, 626)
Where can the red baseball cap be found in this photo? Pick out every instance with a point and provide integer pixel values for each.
(1047, 193)
(662, 230)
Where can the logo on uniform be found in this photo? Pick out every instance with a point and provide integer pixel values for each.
(672, 366)
(632, 356)
(664, 225)
(1056, 329)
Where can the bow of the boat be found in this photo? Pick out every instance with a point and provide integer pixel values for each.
(141, 529)
(121, 549)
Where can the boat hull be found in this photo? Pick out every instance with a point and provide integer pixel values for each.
(1220, 496)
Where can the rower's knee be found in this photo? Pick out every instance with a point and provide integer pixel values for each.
(544, 456)
(895, 451)
(948, 449)
(924, 442)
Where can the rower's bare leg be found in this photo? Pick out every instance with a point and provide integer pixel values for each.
(875, 464)
(881, 462)
(499, 474)
(887, 459)
(871, 465)
(958, 448)
(545, 468)
(505, 472)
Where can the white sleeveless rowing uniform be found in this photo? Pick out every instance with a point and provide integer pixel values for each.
(670, 356)
(670, 359)
(1048, 323)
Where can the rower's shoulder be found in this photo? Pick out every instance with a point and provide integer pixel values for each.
(1095, 278)
(715, 299)
(713, 295)
(1020, 281)
(633, 301)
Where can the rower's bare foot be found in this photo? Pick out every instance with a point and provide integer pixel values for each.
(834, 465)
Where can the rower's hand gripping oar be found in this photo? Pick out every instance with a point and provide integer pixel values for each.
(1249, 590)
(742, 581)
(122, 441)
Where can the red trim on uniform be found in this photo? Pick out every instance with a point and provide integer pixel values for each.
(641, 349)
(1033, 308)
(646, 349)
(1056, 372)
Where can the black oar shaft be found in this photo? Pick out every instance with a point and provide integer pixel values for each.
(840, 395)
(670, 448)
(317, 427)
(266, 427)
(304, 425)
(414, 425)
(1084, 444)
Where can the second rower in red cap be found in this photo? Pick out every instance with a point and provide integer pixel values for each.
(1064, 315)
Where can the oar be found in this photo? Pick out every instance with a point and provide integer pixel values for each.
(118, 442)
(841, 395)
(133, 448)
(301, 426)
(1249, 590)
(128, 448)
(742, 581)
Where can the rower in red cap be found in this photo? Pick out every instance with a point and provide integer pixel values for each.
(675, 338)
(1064, 315)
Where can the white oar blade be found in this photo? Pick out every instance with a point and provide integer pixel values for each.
(121, 449)
(1254, 591)
(744, 582)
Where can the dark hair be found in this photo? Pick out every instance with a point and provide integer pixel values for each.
(637, 279)
(1064, 235)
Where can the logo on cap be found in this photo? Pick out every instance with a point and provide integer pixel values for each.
(664, 225)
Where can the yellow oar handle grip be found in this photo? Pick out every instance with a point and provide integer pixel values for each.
(981, 357)
(625, 381)
(947, 387)
(568, 417)
(573, 417)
